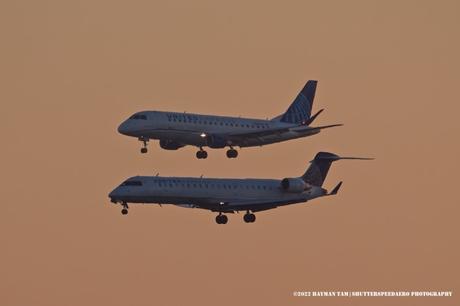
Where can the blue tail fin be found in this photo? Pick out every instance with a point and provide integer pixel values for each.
(317, 172)
(300, 110)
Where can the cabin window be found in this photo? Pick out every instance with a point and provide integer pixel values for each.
(132, 183)
(138, 117)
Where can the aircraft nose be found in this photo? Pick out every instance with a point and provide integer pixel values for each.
(123, 128)
(113, 195)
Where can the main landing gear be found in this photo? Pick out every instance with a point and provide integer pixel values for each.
(249, 217)
(124, 211)
(202, 154)
(221, 219)
(144, 141)
(232, 153)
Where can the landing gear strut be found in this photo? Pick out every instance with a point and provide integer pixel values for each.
(249, 217)
(124, 211)
(221, 219)
(232, 153)
(202, 154)
(144, 141)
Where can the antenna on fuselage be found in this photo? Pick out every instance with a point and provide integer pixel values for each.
(158, 173)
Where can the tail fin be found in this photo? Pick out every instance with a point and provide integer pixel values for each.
(300, 109)
(317, 172)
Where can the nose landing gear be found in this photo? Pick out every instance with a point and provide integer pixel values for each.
(124, 210)
(144, 141)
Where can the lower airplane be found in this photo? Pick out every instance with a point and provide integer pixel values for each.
(176, 130)
(229, 195)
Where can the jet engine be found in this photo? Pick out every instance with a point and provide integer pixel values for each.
(294, 185)
(170, 145)
(216, 142)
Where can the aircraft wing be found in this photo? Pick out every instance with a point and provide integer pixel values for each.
(237, 137)
(234, 205)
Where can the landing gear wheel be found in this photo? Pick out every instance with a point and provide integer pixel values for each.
(232, 153)
(221, 219)
(144, 141)
(201, 154)
(124, 211)
(249, 218)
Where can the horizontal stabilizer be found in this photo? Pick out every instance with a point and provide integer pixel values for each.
(317, 172)
(326, 126)
(336, 189)
(333, 157)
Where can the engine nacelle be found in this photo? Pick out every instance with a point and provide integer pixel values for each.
(216, 142)
(170, 145)
(295, 185)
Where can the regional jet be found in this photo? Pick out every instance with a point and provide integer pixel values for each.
(229, 195)
(175, 130)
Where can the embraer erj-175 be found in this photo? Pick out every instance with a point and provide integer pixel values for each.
(176, 130)
(228, 195)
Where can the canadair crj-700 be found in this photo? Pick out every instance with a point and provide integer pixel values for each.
(228, 195)
(175, 130)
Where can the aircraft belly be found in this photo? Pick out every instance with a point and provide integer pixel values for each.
(185, 137)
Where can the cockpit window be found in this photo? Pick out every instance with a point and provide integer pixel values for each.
(132, 183)
(141, 117)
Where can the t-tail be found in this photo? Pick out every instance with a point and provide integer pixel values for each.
(299, 112)
(319, 167)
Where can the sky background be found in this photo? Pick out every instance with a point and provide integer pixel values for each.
(71, 71)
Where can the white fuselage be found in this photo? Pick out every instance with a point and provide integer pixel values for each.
(194, 129)
(210, 193)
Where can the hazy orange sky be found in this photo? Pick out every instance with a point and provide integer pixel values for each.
(71, 71)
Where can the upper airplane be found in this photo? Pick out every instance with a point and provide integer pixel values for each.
(229, 195)
(176, 130)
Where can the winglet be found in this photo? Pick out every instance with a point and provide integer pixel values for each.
(336, 189)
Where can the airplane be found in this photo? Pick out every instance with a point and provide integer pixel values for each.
(175, 130)
(224, 195)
